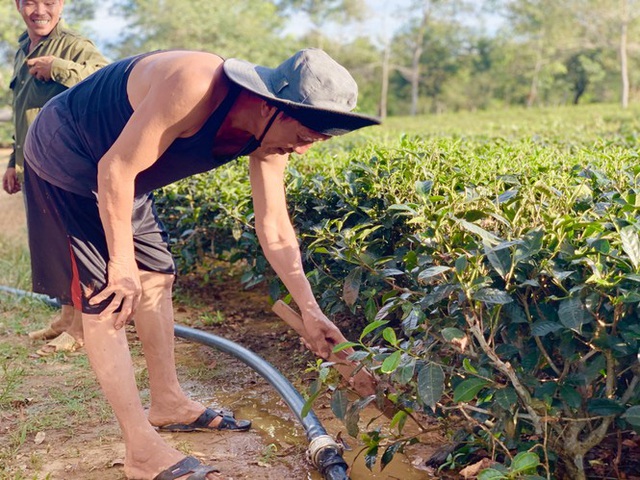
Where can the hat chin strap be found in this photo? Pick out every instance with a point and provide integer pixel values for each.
(269, 123)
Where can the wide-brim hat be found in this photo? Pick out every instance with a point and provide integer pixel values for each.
(309, 86)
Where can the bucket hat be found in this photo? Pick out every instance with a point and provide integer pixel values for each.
(309, 86)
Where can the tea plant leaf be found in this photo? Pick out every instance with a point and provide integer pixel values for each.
(491, 474)
(371, 327)
(468, 389)
(389, 334)
(571, 396)
(531, 244)
(500, 259)
(604, 407)
(523, 462)
(424, 188)
(391, 362)
(486, 236)
(405, 372)
(572, 314)
(632, 416)
(339, 403)
(631, 244)
(431, 384)
(389, 453)
(544, 327)
(432, 272)
(506, 398)
(450, 334)
(351, 288)
(343, 346)
(492, 296)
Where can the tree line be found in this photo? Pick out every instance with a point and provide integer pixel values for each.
(434, 56)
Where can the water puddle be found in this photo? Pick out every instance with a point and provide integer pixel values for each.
(280, 430)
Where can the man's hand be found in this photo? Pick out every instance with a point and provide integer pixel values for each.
(124, 285)
(40, 67)
(10, 182)
(323, 335)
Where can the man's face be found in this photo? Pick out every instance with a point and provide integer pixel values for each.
(287, 135)
(40, 16)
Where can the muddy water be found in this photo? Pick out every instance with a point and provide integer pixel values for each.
(282, 432)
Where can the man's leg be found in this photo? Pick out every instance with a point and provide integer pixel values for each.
(154, 324)
(147, 454)
(58, 325)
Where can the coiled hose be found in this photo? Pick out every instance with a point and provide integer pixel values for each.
(324, 453)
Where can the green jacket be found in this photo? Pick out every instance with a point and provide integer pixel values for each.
(77, 58)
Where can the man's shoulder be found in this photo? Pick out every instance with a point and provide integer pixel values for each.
(71, 35)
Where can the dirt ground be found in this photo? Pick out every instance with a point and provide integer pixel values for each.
(275, 448)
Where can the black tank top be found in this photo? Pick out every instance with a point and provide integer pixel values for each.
(76, 128)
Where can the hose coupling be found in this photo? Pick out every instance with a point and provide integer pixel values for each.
(318, 445)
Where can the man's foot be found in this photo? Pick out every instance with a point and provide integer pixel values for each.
(183, 467)
(62, 343)
(45, 333)
(209, 420)
(59, 324)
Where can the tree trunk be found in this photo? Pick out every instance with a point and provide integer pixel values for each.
(384, 93)
(624, 69)
(415, 60)
(533, 91)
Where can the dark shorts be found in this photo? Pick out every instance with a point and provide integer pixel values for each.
(69, 254)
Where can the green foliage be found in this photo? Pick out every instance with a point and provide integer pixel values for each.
(492, 276)
(240, 28)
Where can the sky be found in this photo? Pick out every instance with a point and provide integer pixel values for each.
(384, 19)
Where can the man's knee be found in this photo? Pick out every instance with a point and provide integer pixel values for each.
(155, 286)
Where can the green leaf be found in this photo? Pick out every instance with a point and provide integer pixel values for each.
(339, 403)
(604, 407)
(466, 365)
(351, 288)
(432, 272)
(631, 244)
(486, 236)
(532, 243)
(506, 397)
(571, 396)
(308, 405)
(468, 389)
(431, 384)
(524, 461)
(344, 346)
(405, 372)
(491, 474)
(389, 335)
(451, 334)
(572, 314)
(391, 362)
(389, 453)
(500, 259)
(632, 416)
(544, 327)
(492, 296)
(371, 327)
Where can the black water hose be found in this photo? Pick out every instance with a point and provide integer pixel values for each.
(52, 302)
(324, 452)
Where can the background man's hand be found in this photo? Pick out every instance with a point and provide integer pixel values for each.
(10, 182)
(40, 67)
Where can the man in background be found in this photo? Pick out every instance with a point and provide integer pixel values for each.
(49, 60)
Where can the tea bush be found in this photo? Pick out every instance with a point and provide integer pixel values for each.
(495, 277)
